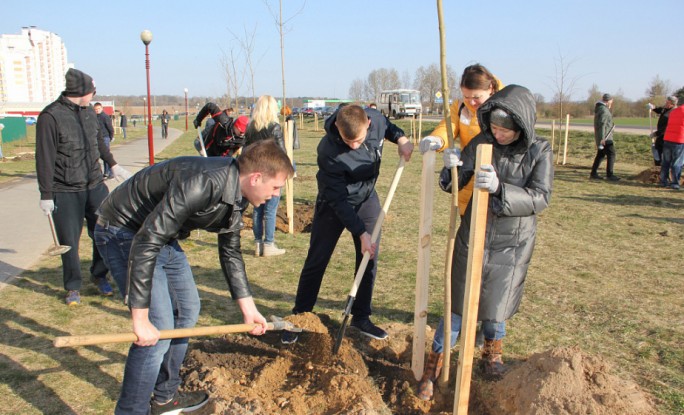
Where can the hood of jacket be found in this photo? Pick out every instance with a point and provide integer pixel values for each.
(517, 101)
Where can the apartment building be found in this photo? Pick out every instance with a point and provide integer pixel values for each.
(32, 66)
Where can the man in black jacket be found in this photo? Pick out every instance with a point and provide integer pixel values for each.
(69, 146)
(659, 133)
(349, 158)
(223, 135)
(137, 232)
(107, 129)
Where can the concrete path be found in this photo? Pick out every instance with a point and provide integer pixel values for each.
(24, 229)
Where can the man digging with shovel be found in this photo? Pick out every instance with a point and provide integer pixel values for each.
(137, 232)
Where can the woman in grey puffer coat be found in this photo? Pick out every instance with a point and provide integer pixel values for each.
(519, 183)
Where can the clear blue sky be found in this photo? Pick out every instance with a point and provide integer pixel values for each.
(619, 45)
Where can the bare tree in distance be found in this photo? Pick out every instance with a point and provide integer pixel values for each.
(234, 74)
(564, 84)
(247, 46)
(381, 79)
(356, 90)
(280, 23)
(428, 81)
(658, 89)
(406, 79)
(594, 95)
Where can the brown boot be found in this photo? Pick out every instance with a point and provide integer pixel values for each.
(430, 375)
(492, 361)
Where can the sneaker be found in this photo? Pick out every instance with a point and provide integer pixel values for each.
(258, 249)
(181, 402)
(73, 298)
(595, 176)
(288, 337)
(271, 249)
(613, 178)
(675, 186)
(367, 328)
(103, 286)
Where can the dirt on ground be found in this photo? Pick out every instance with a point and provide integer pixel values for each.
(303, 218)
(259, 375)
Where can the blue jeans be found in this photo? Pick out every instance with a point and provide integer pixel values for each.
(671, 165)
(491, 329)
(174, 304)
(265, 217)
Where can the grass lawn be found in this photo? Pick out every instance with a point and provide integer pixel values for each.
(606, 276)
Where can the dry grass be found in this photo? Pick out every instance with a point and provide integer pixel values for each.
(606, 276)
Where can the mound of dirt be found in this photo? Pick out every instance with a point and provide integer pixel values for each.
(565, 381)
(303, 218)
(259, 375)
(650, 175)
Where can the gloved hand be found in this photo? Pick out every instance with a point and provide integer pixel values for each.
(486, 179)
(452, 158)
(120, 172)
(430, 142)
(47, 206)
(196, 123)
(651, 106)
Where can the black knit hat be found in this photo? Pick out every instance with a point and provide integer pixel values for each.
(78, 84)
(503, 119)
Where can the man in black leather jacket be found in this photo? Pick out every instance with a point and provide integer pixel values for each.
(223, 135)
(137, 232)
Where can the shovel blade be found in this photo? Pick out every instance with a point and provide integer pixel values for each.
(340, 334)
(56, 250)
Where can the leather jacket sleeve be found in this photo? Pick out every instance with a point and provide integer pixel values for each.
(233, 265)
(210, 109)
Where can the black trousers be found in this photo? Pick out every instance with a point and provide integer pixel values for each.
(607, 152)
(70, 210)
(325, 232)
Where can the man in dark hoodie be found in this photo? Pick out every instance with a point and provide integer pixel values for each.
(69, 145)
(349, 158)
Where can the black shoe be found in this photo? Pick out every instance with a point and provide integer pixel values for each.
(613, 178)
(369, 329)
(181, 402)
(595, 176)
(288, 337)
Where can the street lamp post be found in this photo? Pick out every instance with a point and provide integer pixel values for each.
(144, 111)
(186, 109)
(146, 37)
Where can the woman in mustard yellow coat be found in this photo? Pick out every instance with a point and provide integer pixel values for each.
(477, 85)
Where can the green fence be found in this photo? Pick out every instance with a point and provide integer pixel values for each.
(15, 128)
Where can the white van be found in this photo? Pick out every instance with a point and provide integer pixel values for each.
(399, 103)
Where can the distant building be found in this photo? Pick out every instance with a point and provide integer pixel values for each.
(32, 66)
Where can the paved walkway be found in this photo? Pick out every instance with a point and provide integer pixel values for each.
(24, 230)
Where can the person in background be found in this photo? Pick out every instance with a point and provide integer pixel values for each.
(264, 126)
(223, 136)
(477, 85)
(165, 118)
(107, 132)
(603, 135)
(519, 183)
(659, 133)
(69, 145)
(373, 105)
(137, 233)
(349, 158)
(673, 148)
(123, 123)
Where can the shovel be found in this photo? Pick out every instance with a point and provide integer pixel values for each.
(57, 249)
(94, 339)
(366, 256)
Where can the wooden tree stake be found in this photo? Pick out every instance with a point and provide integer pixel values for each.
(427, 190)
(567, 128)
(471, 298)
(289, 186)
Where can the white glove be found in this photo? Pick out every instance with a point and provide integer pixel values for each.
(47, 206)
(486, 179)
(452, 158)
(430, 142)
(651, 106)
(120, 172)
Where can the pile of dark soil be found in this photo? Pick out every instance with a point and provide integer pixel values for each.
(259, 375)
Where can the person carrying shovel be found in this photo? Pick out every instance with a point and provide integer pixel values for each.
(519, 183)
(137, 234)
(349, 158)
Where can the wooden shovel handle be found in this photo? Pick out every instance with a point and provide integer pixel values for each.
(93, 339)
